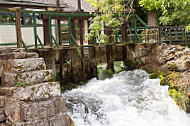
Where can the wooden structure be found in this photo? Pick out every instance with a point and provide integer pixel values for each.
(57, 13)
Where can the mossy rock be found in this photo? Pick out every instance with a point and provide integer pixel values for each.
(153, 76)
(68, 86)
(131, 64)
(172, 67)
(71, 121)
(173, 79)
(163, 81)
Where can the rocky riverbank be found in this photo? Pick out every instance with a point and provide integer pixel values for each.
(171, 63)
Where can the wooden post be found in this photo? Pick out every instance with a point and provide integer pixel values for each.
(170, 36)
(124, 51)
(81, 26)
(18, 26)
(110, 59)
(186, 43)
(79, 5)
(59, 31)
(59, 23)
(108, 32)
(124, 32)
(46, 32)
(159, 32)
(73, 28)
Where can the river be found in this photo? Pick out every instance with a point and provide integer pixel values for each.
(129, 98)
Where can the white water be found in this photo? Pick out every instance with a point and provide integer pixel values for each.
(127, 99)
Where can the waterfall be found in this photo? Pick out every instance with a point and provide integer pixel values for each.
(130, 98)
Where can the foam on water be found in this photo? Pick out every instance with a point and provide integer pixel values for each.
(127, 99)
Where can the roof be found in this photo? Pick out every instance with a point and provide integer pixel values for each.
(72, 6)
(40, 3)
(69, 5)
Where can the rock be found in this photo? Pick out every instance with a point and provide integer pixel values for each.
(24, 65)
(153, 76)
(31, 77)
(178, 65)
(19, 55)
(2, 117)
(22, 111)
(32, 55)
(59, 121)
(34, 92)
(163, 81)
(2, 101)
(172, 66)
(62, 120)
(10, 79)
(6, 56)
(6, 50)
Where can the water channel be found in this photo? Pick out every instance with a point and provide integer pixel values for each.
(129, 98)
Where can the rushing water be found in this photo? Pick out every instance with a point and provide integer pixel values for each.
(127, 99)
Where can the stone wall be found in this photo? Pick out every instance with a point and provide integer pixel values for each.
(28, 94)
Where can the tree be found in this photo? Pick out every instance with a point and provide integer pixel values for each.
(173, 12)
(111, 14)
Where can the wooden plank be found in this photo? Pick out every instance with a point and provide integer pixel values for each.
(14, 9)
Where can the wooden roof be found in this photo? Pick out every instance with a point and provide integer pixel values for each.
(32, 3)
(72, 6)
(69, 5)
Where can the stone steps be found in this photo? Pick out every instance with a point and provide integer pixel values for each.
(27, 112)
(29, 97)
(2, 108)
(24, 65)
(31, 93)
(31, 77)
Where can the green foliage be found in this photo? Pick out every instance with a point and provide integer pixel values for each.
(180, 98)
(21, 84)
(153, 76)
(173, 12)
(104, 73)
(119, 66)
(111, 14)
(163, 81)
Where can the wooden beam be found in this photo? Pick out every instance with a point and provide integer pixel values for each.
(18, 26)
(14, 9)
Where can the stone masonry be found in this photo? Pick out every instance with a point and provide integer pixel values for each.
(28, 94)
